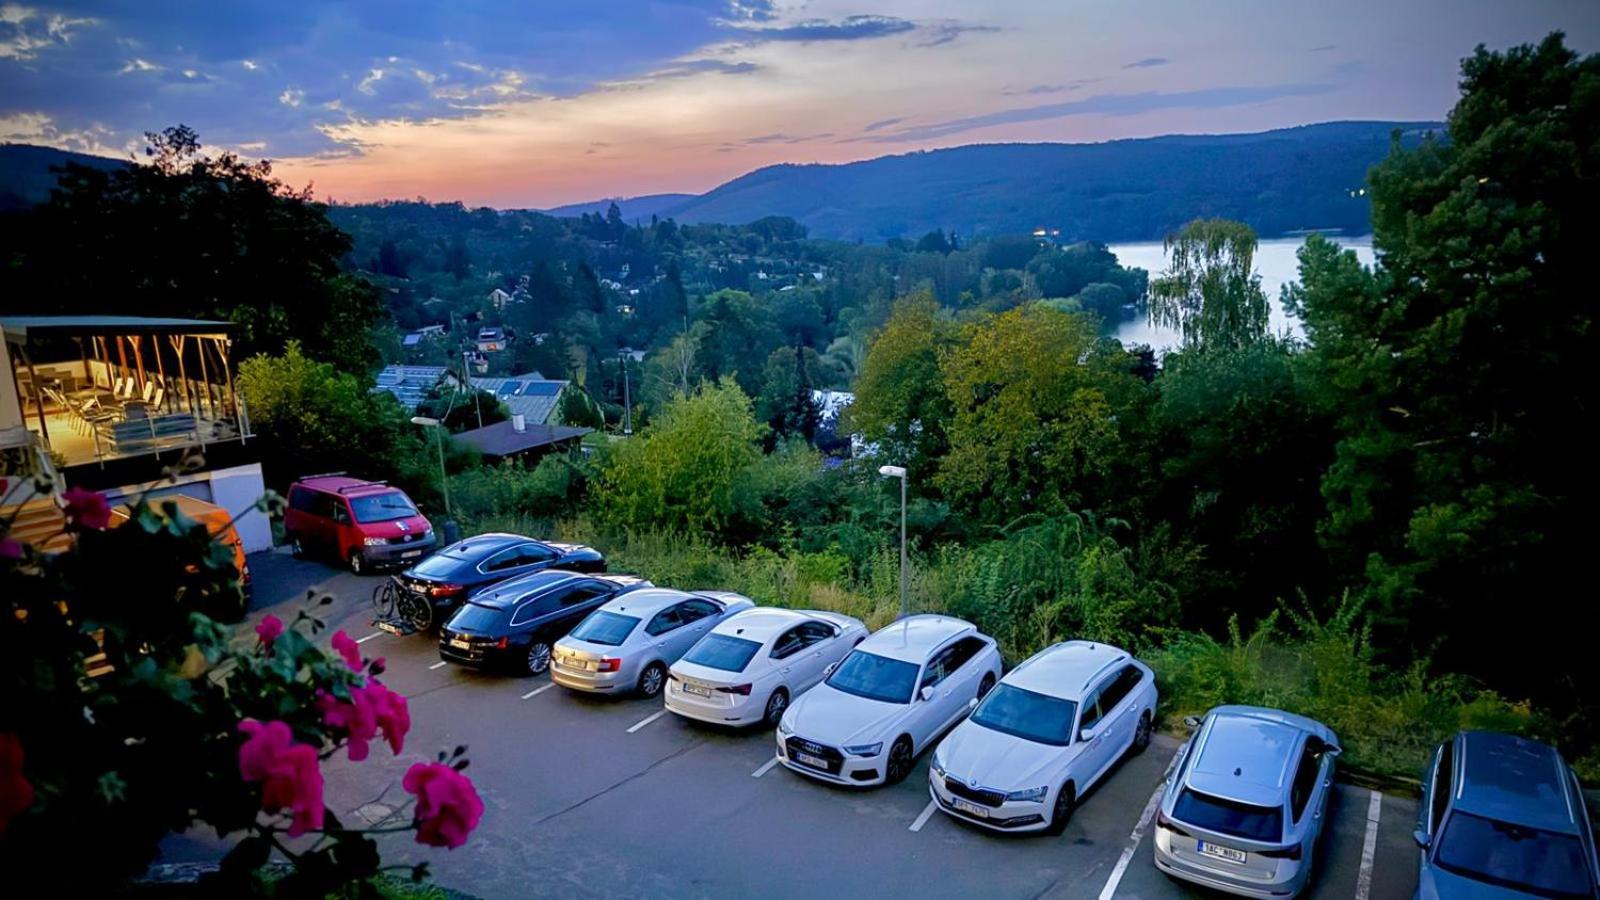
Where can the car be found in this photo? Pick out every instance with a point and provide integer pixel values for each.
(1051, 729)
(363, 524)
(514, 624)
(627, 644)
(1245, 801)
(447, 578)
(752, 664)
(1503, 816)
(887, 701)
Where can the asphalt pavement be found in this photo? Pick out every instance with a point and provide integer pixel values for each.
(599, 796)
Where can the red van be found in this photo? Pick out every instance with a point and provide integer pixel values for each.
(366, 524)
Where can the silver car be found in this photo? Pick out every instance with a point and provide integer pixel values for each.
(1245, 802)
(628, 644)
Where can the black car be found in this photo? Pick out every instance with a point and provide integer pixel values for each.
(455, 573)
(513, 624)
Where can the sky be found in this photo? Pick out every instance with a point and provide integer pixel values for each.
(535, 103)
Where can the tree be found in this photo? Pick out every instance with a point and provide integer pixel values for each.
(901, 402)
(1210, 290)
(1460, 375)
(738, 336)
(785, 403)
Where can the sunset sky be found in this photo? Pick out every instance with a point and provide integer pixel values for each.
(516, 103)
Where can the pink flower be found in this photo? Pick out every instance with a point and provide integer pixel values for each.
(345, 646)
(448, 807)
(288, 772)
(16, 794)
(392, 712)
(355, 717)
(10, 549)
(271, 626)
(86, 509)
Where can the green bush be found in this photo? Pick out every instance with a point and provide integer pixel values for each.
(487, 499)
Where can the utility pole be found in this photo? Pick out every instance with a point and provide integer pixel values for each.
(466, 379)
(627, 400)
(900, 473)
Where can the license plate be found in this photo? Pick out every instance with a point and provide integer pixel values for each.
(410, 553)
(972, 809)
(815, 762)
(460, 644)
(1224, 853)
(696, 689)
(390, 627)
(582, 665)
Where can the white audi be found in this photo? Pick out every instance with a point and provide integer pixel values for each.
(1053, 727)
(887, 701)
(749, 668)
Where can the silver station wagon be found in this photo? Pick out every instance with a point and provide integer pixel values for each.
(628, 644)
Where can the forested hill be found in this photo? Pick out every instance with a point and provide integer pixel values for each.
(1276, 181)
(25, 176)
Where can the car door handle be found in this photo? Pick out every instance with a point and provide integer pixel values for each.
(661, 643)
(785, 670)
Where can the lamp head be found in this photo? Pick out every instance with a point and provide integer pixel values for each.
(892, 471)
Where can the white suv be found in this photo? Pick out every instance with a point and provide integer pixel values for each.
(1051, 729)
(887, 700)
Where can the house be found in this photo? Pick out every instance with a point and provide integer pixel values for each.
(515, 437)
(499, 298)
(426, 332)
(410, 384)
(113, 403)
(491, 340)
(532, 396)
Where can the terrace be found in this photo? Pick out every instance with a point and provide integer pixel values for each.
(92, 389)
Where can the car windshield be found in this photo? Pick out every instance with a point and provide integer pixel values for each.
(875, 677)
(1027, 715)
(473, 617)
(382, 507)
(722, 651)
(606, 628)
(1537, 862)
(440, 565)
(1242, 820)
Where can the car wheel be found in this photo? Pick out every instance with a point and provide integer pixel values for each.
(900, 761)
(1141, 734)
(1061, 813)
(357, 565)
(538, 656)
(297, 548)
(776, 704)
(985, 686)
(651, 679)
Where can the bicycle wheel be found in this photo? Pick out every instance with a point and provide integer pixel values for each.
(383, 600)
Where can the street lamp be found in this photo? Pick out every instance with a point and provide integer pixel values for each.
(900, 473)
(444, 480)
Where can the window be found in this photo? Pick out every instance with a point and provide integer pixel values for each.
(338, 512)
(532, 608)
(534, 554)
(788, 644)
(1091, 711)
(816, 632)
(303, 499)
(509, 558)
(1443, 783)
(874, 677)
(1119, 687)
(962, 651)
(583, 593)
(695, 610)
(477, 618)
(1305, 778)
(1241, 820)
(607, 628)
(1529, 860)
(385, 507)
(723, 651)
(666, 620)
(939, 668)
(1027, 715)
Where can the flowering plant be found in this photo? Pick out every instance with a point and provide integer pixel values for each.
(134, 710)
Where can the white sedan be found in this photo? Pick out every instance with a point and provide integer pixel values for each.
(1051, 729)
(889, 699)
(753, 664)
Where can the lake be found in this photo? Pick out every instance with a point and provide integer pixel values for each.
(1275, 263)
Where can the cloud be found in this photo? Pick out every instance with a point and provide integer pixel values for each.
(25, 31)
(1149, 62)
(781, 138)
(884, 123)
(1324, 48)
(1038, 89)
(945, 32)
(1109, 105)
(850, 28)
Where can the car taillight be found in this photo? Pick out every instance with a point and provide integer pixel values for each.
(1285, 853)
(444, 590)
(609, 664)
(502, 643)
(1163, 822)
(742, 690)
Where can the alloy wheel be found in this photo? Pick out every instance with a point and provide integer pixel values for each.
(776, 704)
(1061, 813)
(899, 765)
(1141, 734)
(538, 657)
(650, 681)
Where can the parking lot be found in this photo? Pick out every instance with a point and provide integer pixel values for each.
(616, 796)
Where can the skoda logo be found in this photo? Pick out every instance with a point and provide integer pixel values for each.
(972, 783)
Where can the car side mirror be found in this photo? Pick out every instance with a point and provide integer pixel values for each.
(973, 703)
(926, 694)
(1191, 722)
(1086, 734)
(1422, 839)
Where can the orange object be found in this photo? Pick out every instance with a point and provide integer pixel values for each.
(218, 522)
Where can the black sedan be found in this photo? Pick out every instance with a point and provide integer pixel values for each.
(439, 584)
(513, 624)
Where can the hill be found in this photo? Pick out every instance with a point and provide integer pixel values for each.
(25, 176)
(632, 208)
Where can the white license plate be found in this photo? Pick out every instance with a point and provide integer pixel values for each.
(410, 553)
(582, 665)
(696, 689)
(464, 645)
(969, 808)
(390, 627)
(1224, 853)
(815, 762)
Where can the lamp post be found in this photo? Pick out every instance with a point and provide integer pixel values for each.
(900, 473)
(627, 402)
(444, 480)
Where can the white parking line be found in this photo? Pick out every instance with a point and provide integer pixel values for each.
(646, 721)
(538, 690)
(924, 816)
(765, 767)
(1369, 847)
(438, 665)
(1110, 890)
(369, 637)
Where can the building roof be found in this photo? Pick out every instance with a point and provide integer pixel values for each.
(1513, 779)
(16, 328)
(502, 438)
(1065, 669)
(530, 396)
(911, 639)
(409, 384)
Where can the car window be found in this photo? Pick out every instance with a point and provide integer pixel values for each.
(939, 668)
(603, 627)
(532, 608)
(385, 507)
(1529, 860)
(963, 651)
(788, 644)
(582, 593)
(666, 620)
(874, 677)
(1224, 816)
(337, 511)
(816, 632)
(695, 610)
(1091, 711)
(303, 499)
(509, 558)
(473, 617)
(1118, 688)
(533, 554)
(1305, 777)
(1443, 783)
(723, 651)
(1027, 715)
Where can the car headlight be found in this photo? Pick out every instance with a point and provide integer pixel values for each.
(936, 768)
(374, 542)
(1032, 794)
(865, 749)
(784, 727)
